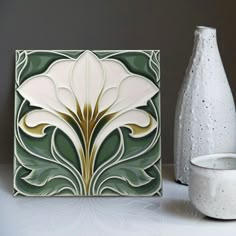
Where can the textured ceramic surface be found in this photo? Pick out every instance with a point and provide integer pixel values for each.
(205, 121)
(87, 123)
(212, 186)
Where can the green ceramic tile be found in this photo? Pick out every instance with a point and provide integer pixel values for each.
(87, 123)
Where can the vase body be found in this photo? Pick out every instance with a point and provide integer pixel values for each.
(205, 121)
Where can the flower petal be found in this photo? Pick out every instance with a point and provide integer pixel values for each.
(67, 99)
(60, 72)
(35, 122)
(138, 121)
(87, 80)
(40, 91)
(115, 72)
(107, 99)
(134, 91)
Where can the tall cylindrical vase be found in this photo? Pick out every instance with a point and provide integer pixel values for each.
(205, 120)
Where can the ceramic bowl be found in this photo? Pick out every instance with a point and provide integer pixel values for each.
(212, 185)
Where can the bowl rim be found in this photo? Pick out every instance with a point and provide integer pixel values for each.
(216, 156)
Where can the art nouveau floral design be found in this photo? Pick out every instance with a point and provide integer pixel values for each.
(87, 98)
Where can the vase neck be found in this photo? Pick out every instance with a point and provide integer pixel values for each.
(205, 61)
(205, 39)
(205, 32)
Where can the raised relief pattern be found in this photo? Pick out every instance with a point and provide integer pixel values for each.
(87, 123)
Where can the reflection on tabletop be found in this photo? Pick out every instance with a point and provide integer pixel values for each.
(103, 216)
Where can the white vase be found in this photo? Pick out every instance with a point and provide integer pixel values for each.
(205, 121)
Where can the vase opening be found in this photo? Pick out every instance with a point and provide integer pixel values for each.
(205, 29)
(200, 27)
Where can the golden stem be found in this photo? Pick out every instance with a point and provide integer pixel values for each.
(88, 123)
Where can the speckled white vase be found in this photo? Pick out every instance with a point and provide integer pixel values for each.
(205, 120)
(212, 185)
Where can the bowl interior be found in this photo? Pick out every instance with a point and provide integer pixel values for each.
(217, 162)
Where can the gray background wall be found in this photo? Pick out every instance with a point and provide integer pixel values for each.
(167, 25)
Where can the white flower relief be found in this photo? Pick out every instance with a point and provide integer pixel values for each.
(94, 95)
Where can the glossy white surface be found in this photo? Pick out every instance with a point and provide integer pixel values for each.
(205, 120)
(173, 214)
(212, 185)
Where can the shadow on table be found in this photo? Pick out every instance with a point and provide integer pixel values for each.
(168, 172)
(6, 179)
(184, 210)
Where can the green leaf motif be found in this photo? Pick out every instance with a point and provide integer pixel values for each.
(80, 131)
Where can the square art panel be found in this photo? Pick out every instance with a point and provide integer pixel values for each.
(87, 123)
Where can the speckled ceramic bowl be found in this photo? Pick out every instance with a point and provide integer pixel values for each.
(212, 185)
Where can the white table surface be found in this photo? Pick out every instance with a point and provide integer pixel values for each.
(172, 214)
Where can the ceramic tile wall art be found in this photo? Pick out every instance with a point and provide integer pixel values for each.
(87, 123)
